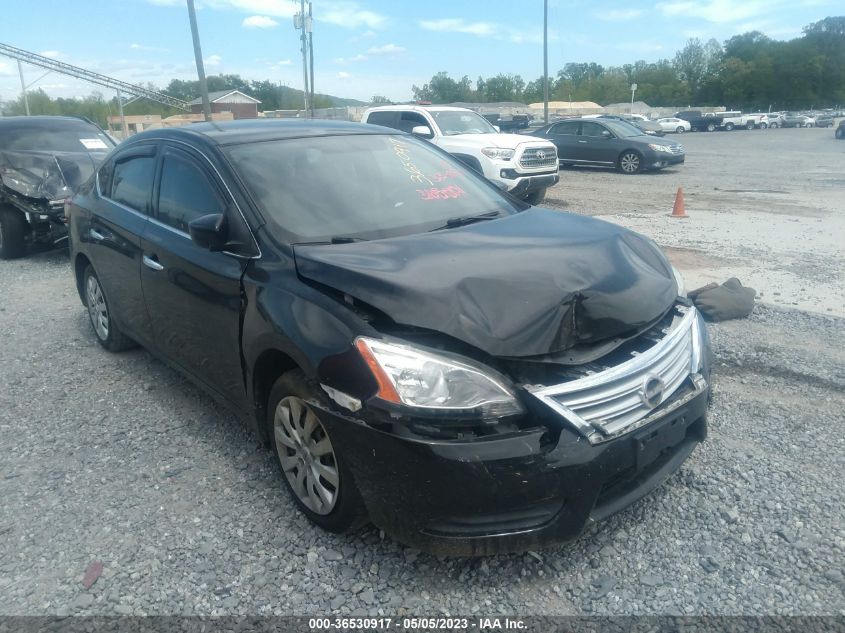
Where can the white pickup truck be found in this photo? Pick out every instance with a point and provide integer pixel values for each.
(733, 120)
(525, 166)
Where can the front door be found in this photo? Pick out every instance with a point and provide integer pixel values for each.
(193, 295)
(596, 146)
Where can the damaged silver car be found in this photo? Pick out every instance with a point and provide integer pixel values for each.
(43, 160)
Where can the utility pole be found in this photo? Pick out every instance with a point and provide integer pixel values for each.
(23, 88)
(633, 90)
(122, 118)
(310, 25)
(545, 61)
(300, 22)
(192, 16)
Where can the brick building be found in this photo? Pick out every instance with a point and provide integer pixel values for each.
(241, 106)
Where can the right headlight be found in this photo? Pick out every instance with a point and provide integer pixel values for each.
(424, 380)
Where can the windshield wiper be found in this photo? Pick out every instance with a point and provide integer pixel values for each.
(467, 219)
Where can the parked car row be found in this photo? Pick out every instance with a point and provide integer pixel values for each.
(710, 122)
(471, 373)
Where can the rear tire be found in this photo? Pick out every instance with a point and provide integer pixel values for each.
(840, 133)
(729, 127)
(680, 129)
(774, 126)
(764, 126)
(749, 125)
(711, 127)
(535, 197)
(630, 162)
(312, 464)
(13, 229)
(105, 329)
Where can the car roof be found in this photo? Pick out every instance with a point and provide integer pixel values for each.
(253, 130)
(46, 120)
(418, 108)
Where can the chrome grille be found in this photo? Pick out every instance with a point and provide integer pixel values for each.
(533, 157)
(677, 149)
(611, 402)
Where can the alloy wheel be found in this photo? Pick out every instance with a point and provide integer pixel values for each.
(306, 455)
(680, 129)
(97, 308)
(630, 163)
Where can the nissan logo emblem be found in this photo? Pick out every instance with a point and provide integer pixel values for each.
(541, 155)
(652, 391)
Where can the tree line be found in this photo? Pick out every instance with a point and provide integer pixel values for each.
(749, 71)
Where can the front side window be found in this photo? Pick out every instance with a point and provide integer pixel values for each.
(591, 129)
(364, 186)
(132, 182)
(185, 193)
(385, 118)
(567, 127)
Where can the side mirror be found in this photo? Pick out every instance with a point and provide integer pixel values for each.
(423, 131)
(209, 231)
(606, 134)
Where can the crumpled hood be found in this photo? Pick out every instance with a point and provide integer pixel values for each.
(534, 283)
(49, 175)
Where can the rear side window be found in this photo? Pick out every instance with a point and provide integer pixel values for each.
(132, 183)
(382, 118)
(185, 193)
(409, 120)
(591, 129)
(567, 127)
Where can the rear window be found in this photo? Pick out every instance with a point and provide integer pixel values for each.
(53, 137)
(366, 186)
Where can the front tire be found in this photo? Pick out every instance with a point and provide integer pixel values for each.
(729, 127)
(840, 133)
(764, 126)
(105, 329)
(535, 197)
(749, 125)
(312, 464)
(630, 162)
(13, 228)
(774, 126)
(711, 127)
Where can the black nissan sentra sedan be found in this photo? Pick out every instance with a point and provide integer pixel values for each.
(470, 373)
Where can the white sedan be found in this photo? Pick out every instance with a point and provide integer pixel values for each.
(671, 124)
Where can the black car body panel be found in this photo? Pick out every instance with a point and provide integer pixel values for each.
(571, 280)
(497, 291)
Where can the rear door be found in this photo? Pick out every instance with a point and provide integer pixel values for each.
(193, 295)
(114, 232)
(565, 136)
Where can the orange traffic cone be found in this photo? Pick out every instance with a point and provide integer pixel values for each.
(678, 210)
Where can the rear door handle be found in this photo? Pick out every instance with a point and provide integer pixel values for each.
(96, 235)
(152, 262)
(582, 141)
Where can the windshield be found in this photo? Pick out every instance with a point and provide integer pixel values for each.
(365, 186)
(54, 137)
(623, 129)
(461, 122)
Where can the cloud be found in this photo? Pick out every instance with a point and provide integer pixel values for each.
(259, 22)
(153, 49)
(6, 69)
(344, 75)
(350, 15)
(212, 61)
(619, 15)
(718, 11)
(51, 54)
(486, 29)
(351, 60)
(387, 49)
(459, 25)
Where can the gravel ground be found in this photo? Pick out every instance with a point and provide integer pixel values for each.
(766, 206)
(114, 458)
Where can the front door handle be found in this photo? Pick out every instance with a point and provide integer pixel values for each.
(96, 235)
(152, 262)
(582, 141)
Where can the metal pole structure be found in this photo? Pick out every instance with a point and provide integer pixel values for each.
(192, 16)
(23, 88)
(304, 41)
(545, 61)
(311, 55)
(122, 118)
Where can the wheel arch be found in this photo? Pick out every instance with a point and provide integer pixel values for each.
(266, 370)
(80, 263)
(470, 161)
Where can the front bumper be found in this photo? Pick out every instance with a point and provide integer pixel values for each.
(529, 184)
(516, 492)
(659, 160)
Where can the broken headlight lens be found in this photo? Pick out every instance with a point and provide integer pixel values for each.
(418, 378)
